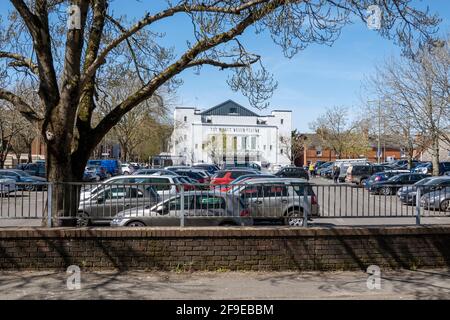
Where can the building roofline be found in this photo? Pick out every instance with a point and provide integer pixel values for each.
(282, 111)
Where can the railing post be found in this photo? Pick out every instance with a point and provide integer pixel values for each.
(305, 205)
(182, 207)
(418, 206)
(49, 204)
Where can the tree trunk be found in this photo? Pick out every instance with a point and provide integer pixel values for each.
(435, 155)
(30, 156)
(2, 163)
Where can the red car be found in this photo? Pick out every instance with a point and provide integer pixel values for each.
(226, 176)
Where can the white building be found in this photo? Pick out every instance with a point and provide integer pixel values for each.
(231, 133)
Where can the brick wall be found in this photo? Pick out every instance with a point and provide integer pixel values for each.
(225, 248)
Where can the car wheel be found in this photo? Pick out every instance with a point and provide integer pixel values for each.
(386, 191)
(83, 219)
(135, 224)
(445, 205)
(295, 219)
(98, 178)
(30, 187)
(362, 182)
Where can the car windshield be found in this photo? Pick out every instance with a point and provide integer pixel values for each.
(23, 173)
(424, 181)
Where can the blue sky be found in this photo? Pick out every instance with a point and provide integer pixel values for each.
(319, 77)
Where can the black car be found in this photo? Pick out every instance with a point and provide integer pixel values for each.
(292, 172)
(403, 164)
(394, 183)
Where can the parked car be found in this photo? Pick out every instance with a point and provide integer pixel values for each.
(279, 199)
(242, 165)
(113, 166)
(199, 175)
(164, 185)
(403, 164)
(7, 185)
(227, 176)
(95, 173)
(246, 177)
(292, 172)
(323, 166)
(24, 180)
(437, 200)
(35, 169)
(159, 172)
(103, 205)
(357, 173)
(427, 168)
(211, 168)
(408, 195)
(382, 176)
(127, 168)
(173, 168)
(327, 172)
(394, 183)
(201, 208)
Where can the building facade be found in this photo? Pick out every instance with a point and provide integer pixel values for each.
(230, 133)
(314, 150)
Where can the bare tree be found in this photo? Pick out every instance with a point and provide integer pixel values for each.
(344, 137)
(417, 91)
(67, 61)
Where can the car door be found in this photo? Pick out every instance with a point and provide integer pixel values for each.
(274, 199)
(251, 195)
(108, 202)
(205, 210)
(169, 213)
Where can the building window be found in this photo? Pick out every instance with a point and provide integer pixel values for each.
(253, 143)
(282, 120)
(196, 146)
(318, 153)
(233, 110)
(244, 143)
(203, 146)
(185, 137)
(185, 119)
(281, 151)
(270, 147)
(185, 149)
(264, 147)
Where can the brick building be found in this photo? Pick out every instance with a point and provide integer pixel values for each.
(314, 150)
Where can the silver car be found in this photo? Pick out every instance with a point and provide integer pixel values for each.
(278, 198)
(437, 200)
(201, 208)
(108, 200)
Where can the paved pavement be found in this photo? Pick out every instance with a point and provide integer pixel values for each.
(421, 284)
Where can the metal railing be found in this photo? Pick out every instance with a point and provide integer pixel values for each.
(234, 204)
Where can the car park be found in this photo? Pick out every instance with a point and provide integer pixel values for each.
(281, 199)
(200, 208)
(101, 206)
(292, 172)
(393, 184)
(24, 181)
(408, 195)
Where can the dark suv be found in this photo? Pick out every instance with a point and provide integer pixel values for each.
(292, 172)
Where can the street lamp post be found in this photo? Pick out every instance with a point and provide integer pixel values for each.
(379, 133)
